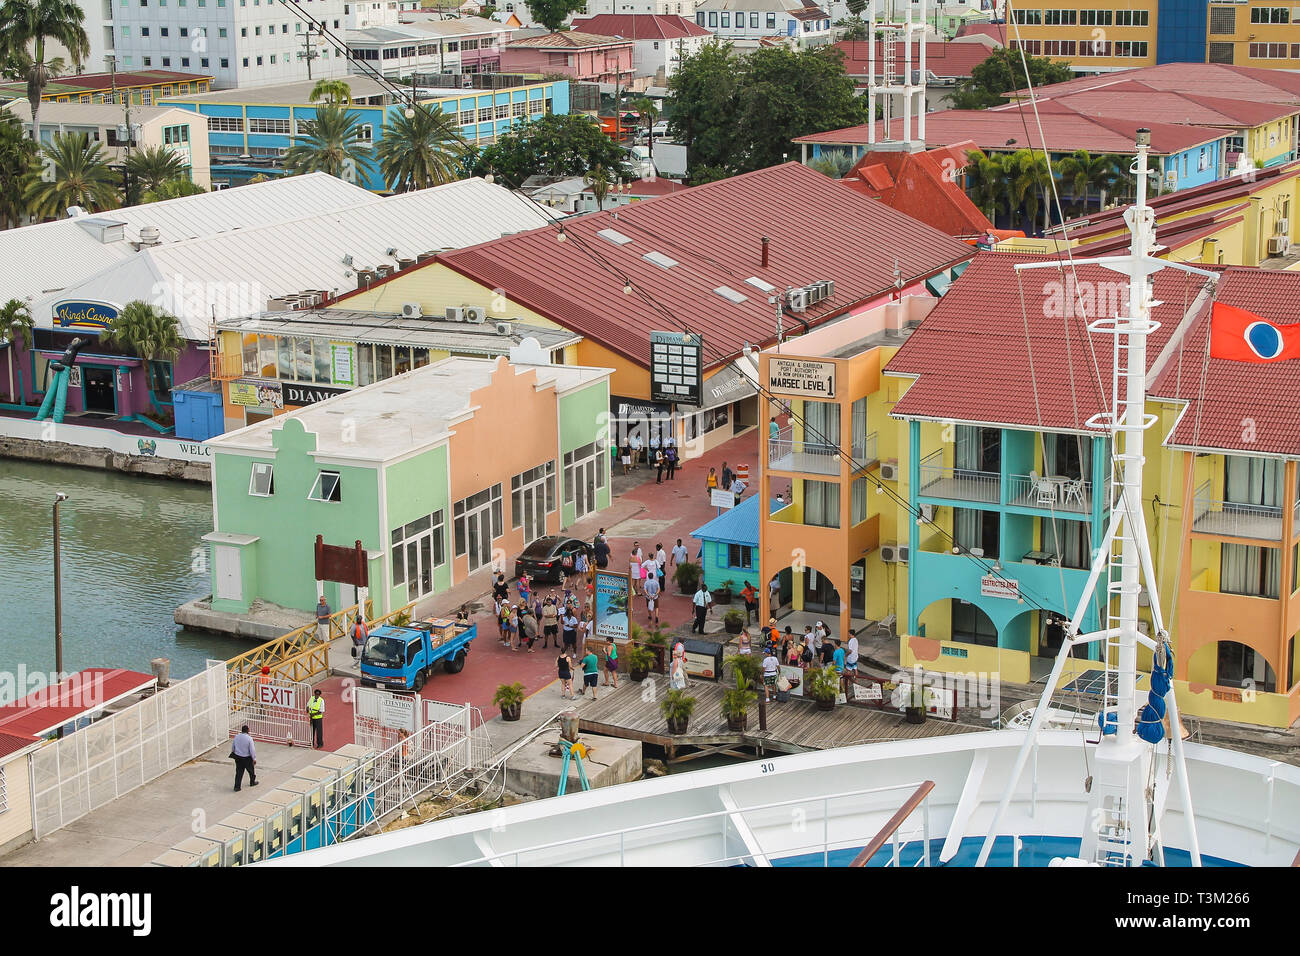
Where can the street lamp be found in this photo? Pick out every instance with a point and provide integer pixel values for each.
(58, 592)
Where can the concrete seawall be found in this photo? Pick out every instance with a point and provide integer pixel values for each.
(85, 457)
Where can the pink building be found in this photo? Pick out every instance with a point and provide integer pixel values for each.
(580, 56)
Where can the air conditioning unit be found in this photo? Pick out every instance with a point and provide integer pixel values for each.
(889, 470)
(474, 313)
(889, 553)
(1277, 245)
(503, 328)
(814, 293)
(1282, 227)
(798, 300)
(455, 315)
(927, 513)
(903, 551)
(411, 310)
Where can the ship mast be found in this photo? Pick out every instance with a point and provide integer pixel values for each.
(1125, 800)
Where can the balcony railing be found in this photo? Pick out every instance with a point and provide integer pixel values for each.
(1052, 492)
(1233, 519)
(960, 483)
(823, 458)
(225, 366)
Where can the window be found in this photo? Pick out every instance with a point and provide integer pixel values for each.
(225, 63)
(1240, 666)
(519, 109)
(713, 18)
(1059, 47)
(328, 487)
(466, 117)
(144, 31)
(259, 61)
(1031, 47)
(532, 497)
(753, 21)
(221, 32)
(1254, 482)
(1067, 540)
(175, 135)
(1245, 569)
(821, 503)
(1095, 18)
(226, 124)
(1130, 48)
(185, 60)
(1059, 17)
(1031, 17)
(262, 482)
(167, 61)
(726, 20)
(1094, 48)
(417, 548)
(584, 475)
(858, 501)
(503, 111)
(485, 114)
(1223, 20)
(1270, 15)
(1141, 18)
(974, 529)
(281, 127)
(771, 21)
(1268, 51)
(243, 31)
(739, 555)
(477, 521)
(970, 625)
(163, 31)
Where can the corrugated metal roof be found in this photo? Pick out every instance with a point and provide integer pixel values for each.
(85, 692)
(1246, 83)
(640, 26)
(738, 525)
(50, 256)
(234, 273)
(818, 230)
(566, 40)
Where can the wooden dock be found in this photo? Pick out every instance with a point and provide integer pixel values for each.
(793, 727)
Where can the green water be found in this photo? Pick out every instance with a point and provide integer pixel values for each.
(132, 552)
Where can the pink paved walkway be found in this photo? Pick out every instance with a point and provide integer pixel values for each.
(680, 506)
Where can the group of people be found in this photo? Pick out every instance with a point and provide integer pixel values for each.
(814, 647)
(521, 622)
(727, 481)
(632, 453)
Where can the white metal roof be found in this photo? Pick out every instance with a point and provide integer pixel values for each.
(234, 274)
(94, 114)
(400, 414)
(43, 258)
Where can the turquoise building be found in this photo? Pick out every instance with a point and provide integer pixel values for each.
(730, 545)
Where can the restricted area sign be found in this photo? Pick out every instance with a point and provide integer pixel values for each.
(722, 498)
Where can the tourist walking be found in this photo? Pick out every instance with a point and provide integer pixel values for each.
(727, 476)
(569, 628)
(611, 665)
(679, 554)
(627, 457)
(322, 619)
(851, 664)
(635, 444)
(245, 754)
(525, 587)
(527, 627)
(590, 671)
(550, 623)
(661, 560)
(711, 482)
(771, 667)
(742, 643)
(359, 635)
(634, 567)
(651, 588)
(581, 567)
(750, 594)
(601, 549)
(703, 602)
(659, 465)
(564, 670)
(671, 454)
(316, 712)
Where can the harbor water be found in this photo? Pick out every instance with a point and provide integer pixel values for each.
(132, 551)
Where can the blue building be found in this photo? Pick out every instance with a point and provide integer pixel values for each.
(250, 130)
(730, 545)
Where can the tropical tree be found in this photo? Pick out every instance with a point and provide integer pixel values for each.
(649, 114)
(560, 144)
(598, 180)
(704, 117)
(421, 150)
(26, 26)
(76, 173)
(985, 176)
(18, 162)
(16, 324)
(552, 13)
(151, 166)
(336, 92)
(1083, 173)
(154, 335)
(1026, 186)
(172, 189)
(1004, 72)
(331, 143)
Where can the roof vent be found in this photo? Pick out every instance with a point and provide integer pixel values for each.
(405, 263)
(614, 236)
(730, 294)
(659, 259)
(385, 270)
(102, 229)
(149, 236)
(759, 284)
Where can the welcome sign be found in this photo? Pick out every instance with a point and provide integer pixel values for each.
(86, 316)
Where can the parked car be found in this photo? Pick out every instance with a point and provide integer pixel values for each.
(541, 559)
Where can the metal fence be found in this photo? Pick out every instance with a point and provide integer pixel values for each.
(274, 710)
(1235, 519)
(95, 765)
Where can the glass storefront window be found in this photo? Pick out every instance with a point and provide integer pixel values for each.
(402, 362)
(284, 359)
(266, 355)
(303, 362)
(250, 353)
(324, 374)
(365, 364)
(421, 357)
(383, 362)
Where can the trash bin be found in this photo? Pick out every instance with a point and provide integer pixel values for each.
(703, 659)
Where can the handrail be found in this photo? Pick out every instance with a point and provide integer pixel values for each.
(301, 653)
(892, 825)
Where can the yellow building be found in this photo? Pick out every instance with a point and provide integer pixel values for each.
(144, 87)
(1254, 33)
(1091, 36)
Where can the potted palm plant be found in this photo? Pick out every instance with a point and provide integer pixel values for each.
(722, 594)
(733, 620)
(746, 665)
(640, 661)
(687, 577)
(823, 686)
(510, 698)
(735, 704)
(915, 709)
(677, 708)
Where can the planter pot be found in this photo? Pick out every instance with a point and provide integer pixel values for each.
(511, 712)
(721, 597)
(737, 722)
(676, 727)
(915, 715)
(732, 628)
(827, 704)
(637, 675)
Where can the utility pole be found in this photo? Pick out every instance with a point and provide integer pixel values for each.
(130, 133)
(309, 43)
(58, 593)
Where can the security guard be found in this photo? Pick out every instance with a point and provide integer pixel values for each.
(316, 711)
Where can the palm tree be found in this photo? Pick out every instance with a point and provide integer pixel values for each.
(151, 166)
(16, 325)
(422, 150)
(17, 163)
(1083, 173)
(331, 143)
(76, 174)
(1027, 174)
(335, 92)
(172, 189)
(985, 181)
(151, 333)
(30, 24)
(599, 181)
(833, 163)
(646, 109)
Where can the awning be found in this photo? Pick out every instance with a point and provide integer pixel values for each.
(727, 386)
(630, 409)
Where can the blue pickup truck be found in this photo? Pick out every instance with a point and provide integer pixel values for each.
(403, 658)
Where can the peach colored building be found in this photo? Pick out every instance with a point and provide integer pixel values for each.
(579, 56)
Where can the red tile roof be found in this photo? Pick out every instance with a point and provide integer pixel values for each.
(104, 81)
(923, 186)
(1238, 406)
(817, 228)
(12, 743)
(1065, 131)
(640, 26)
(980, 319)
(1138, 101)
(994, 31)
(941, 59)
(567, 40)
(1245, 83)
(81, 693)
(654, 187)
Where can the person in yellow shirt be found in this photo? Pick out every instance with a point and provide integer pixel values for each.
(316, 711)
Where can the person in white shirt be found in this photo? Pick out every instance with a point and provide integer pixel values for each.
(851, 663)
(703, 602)
(771, 666)
(636, 443)
(679, 553)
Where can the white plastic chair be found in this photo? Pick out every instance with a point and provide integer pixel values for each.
(1074, 492)
(1046, 491)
